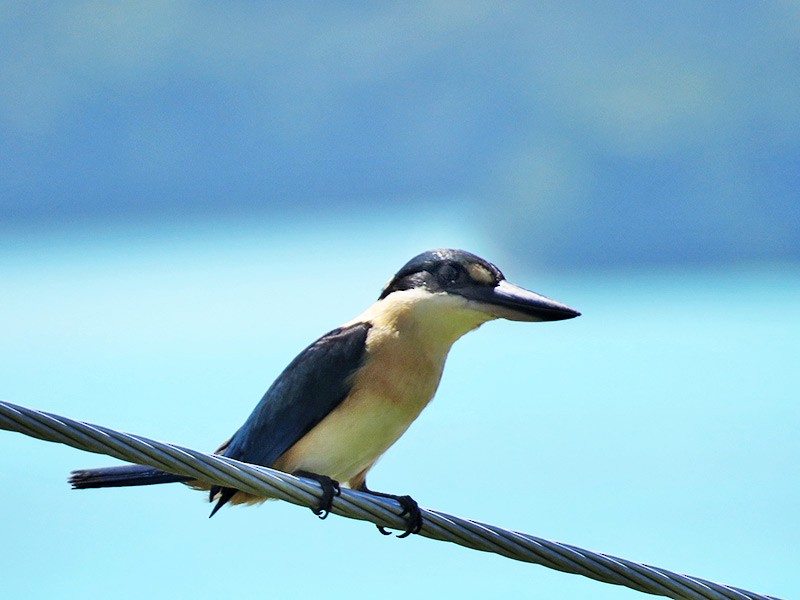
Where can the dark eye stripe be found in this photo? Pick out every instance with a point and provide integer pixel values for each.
(449, 272)
(425, 270)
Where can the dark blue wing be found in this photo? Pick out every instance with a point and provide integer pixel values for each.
(313, 384)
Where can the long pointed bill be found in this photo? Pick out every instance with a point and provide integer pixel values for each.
(509, 301)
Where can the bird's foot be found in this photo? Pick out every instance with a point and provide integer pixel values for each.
(410, 511)
(330, 488)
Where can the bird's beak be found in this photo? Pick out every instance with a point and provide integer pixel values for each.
(509, 301)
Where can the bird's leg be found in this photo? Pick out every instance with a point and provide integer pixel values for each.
(410, 511)
(330, 488)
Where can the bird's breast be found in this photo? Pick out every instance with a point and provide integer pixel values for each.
(397, 380)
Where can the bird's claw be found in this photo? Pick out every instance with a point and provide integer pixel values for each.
(330, 489)
(412, 513)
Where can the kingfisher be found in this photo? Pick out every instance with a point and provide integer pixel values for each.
(345, 399)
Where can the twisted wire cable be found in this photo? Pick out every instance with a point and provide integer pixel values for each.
(385, 512)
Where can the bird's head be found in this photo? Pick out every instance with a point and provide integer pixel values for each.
(477, 284)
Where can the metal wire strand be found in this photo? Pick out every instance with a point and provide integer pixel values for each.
(262, 481)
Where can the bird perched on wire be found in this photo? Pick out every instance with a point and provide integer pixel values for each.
(345, 399)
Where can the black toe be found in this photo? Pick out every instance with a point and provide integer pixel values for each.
(412, 513)
(330, 488)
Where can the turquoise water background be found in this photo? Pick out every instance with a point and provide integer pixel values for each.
(191, 192)
(661, 426)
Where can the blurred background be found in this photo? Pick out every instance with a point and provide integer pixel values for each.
(192, 192)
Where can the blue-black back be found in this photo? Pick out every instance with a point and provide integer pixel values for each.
(313, 384)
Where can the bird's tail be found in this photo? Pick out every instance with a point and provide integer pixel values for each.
(123, 476)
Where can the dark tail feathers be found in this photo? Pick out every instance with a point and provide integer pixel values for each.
(121, 477)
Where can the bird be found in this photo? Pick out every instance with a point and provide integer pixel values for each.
(347, 397)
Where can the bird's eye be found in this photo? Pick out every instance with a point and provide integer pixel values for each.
(449, 273)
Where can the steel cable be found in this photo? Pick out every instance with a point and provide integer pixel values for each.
(385, 512)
